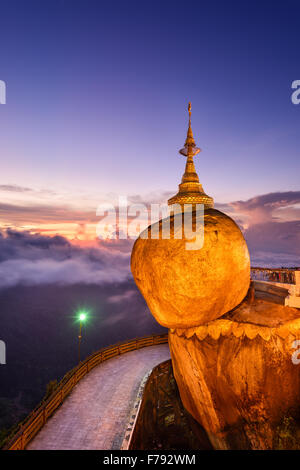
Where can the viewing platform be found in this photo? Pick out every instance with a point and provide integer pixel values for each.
(282, 285)
(102, 405)
(98, 411)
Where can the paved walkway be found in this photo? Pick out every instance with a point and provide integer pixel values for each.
(96, 413)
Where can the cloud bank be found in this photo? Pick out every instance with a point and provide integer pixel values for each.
(270, 223)
(271, 226)
(32, 259)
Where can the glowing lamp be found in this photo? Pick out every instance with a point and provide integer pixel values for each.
(82, 316)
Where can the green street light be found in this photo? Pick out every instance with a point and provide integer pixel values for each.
(82, 318)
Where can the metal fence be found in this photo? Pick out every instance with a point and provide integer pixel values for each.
(283, 275)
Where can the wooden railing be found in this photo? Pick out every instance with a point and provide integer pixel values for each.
(283, 275)
(38, 417)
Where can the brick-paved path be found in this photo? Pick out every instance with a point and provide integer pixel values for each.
(96, 413)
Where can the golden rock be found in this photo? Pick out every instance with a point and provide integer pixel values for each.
(239, 375)
(185, 288)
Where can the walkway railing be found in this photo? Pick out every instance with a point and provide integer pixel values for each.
(38, 417)
(283, 275)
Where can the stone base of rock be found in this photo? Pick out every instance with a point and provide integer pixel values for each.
(236, 375)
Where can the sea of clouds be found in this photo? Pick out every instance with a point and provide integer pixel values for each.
(270, 223)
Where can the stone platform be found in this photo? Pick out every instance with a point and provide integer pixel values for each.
(97, 412)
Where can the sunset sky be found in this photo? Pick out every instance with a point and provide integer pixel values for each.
(96, 108)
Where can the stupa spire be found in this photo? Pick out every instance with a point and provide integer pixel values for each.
(189, 145)
(190, 189)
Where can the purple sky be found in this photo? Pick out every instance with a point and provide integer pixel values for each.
(96, 107)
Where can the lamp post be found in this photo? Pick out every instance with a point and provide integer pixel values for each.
(82, 318)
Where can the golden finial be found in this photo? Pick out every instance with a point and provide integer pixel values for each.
(190, 189)
(189, 145)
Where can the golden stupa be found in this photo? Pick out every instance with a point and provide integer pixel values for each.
(182, 287)
(190, 189)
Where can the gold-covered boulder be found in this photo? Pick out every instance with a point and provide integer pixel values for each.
(186, 287)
